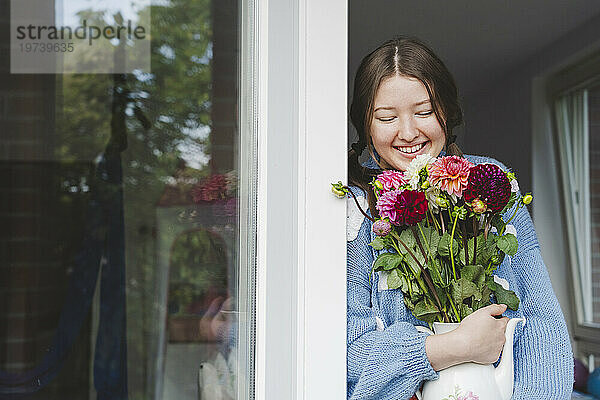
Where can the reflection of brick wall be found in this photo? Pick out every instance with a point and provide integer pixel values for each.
(224, 84)
(27, 274)
(33, 273)
(594, 120)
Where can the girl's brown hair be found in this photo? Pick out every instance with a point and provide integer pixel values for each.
(402, 56)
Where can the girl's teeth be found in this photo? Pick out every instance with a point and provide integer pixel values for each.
(410, 150)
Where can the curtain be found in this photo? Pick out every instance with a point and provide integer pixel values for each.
(571, 111)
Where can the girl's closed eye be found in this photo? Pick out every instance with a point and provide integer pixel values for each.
(425, 113)
(386, 119)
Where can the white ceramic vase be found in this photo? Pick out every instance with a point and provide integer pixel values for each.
(471, 381)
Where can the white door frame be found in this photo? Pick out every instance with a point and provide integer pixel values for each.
(301, 245)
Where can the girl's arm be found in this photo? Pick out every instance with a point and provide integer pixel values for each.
(543, 355)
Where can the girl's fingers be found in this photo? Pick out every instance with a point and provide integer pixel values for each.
(496, 309)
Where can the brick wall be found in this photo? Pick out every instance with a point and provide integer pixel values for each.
(224, 85)
(594, 121)
(34, 253)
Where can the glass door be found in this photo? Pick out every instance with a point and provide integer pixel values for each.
(128, 207)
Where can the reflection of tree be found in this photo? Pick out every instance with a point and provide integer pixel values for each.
(198, 272)
(167, 119)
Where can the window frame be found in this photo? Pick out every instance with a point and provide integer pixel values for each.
(302, 148)
(581, 73)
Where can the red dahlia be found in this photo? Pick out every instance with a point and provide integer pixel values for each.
(488, 183)
(402, 207)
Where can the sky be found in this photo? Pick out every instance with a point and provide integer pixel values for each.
(66, 10)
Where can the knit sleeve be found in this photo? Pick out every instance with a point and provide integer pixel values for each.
(543, 355)
(382, 364)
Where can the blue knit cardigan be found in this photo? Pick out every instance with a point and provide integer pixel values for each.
(386, 355)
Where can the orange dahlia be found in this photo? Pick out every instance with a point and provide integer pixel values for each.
(450, 174)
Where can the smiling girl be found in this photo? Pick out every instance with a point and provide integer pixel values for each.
(405, 104)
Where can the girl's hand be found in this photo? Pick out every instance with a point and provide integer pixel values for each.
(483, 335)
(479, 338)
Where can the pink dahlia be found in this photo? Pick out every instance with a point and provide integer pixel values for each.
(402, 207)
(488, 183)
(450, 173)
(391, 180)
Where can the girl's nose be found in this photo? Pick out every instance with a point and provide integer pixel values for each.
(407, 130)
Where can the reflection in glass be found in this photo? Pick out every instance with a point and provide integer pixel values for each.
(119, 263)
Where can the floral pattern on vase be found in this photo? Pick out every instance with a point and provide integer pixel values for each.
(459, 396)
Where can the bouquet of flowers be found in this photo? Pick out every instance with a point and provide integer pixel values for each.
(441, 224)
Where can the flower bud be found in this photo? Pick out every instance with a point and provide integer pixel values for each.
(461, 212)
(527, 199)
(382, 227)
(378, 184)
(478, 206)
(441, 202)
(425, 185)
(338, 189)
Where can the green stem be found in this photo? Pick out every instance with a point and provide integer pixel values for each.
(452, 248)
(465, 243)
(475, 233)
(454, 308)
(395, 247)
(490, 267)
(408, 283)
(358, 205)
(423, 272)
(425, 240)
(511, 218)
(419, 244)
(437, 226)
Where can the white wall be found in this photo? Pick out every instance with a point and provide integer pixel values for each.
(509, 120)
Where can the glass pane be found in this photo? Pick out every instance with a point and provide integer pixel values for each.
(594, 144)
(120, 263)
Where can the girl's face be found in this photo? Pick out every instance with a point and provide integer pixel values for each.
(404, 124)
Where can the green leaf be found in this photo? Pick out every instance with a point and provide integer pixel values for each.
(473, 273)
(464, 310)
(507, 297)
(497, 222)
(470, 245)
(488, 250)
(441, 293)
(412, 264)
(387, 261)
(409, 304)
(485, 250)
(416, 289)
(434, 270)
(485, 299)
(511, 202)
(444, 245)
(508, 244)
(406, 237)
(378, 244)
(462, 289)
(394, 279)
(489, 282)
(425, 311)
(503, 296)
(432, 237)
(405, 282)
